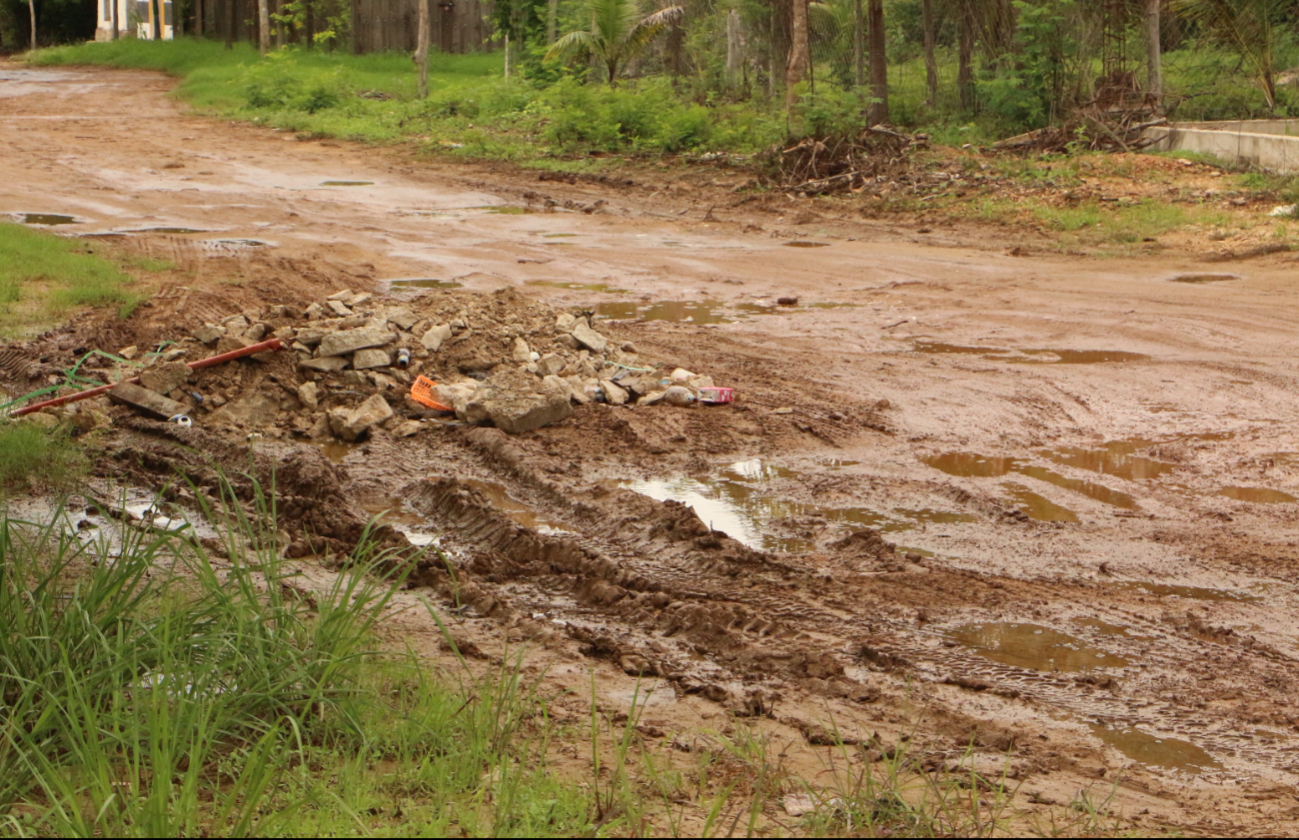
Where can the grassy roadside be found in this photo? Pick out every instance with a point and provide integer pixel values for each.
(45, 277)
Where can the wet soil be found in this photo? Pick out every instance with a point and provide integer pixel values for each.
(1080, 558)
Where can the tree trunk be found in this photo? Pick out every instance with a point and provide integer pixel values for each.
(965, 68)
(733, 48)
(552, 21)
(263, 26)
(1155, 72)
(422, 47)
(858, 44)
(232, 13)
(113, 21)
(931, 62)
(676, 50)
(796, 66)
(198, 18)
(310, 22)
(155, 15)
(31, 7)
(879, 110)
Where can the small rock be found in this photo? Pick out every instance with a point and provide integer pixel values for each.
(783, 410)
(326, 364)
(351, 426)
(613, 394)
(408, 429)
(255, 333)
(339, 308)
(309, 395)
(567, 341)
(44, 420)
(236, 324)
(433, 339)
(628, 347)
(209, 333)
(403, 318)
(314, 312)
(566, 321)
(681, 375)
(231, 343)
(522, 352)
(787, 301)
(589, 338)
(349, 341)
(165, 378)
(550, 364)
(343, 295)
(368, 359)
(129, 353)
(359, 299)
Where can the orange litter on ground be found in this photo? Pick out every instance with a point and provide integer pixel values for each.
(422, 392)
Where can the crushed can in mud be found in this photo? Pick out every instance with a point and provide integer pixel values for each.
(716, 396)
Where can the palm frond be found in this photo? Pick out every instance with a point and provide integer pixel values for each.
(649, 27)
(571, 43)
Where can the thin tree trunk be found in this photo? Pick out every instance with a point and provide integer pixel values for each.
(232, 13)
(263, 26)
(676, 50)
(732, 48)
(858, 47)
(31, 7)
(113, 20)
(424, 35)
(552, 21)
(796, 66)
(931, 62)
(310, 24)
(965, 68)
(198, 18)
(155, 16)
(1155, 72)
(879, 110)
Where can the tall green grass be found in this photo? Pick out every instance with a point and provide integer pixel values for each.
(35, 458)
(43, 277)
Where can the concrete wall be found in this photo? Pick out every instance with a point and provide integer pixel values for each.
(1236, 142)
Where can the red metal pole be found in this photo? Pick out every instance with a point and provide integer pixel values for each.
(273, 344)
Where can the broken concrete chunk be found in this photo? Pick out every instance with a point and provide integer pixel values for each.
(566, 321)
(209, 333)
(327, 364)
(522, 352)
(351, 426)
(359, 299)
(433, 339)
(407, 429)
(309, 395)
(129, 353)
(349, 341)
(368, 359)
(403, 318)
(513, 403)
(681, 375)
(255, 333)
(236, 324)
(314, 312)
(146, 401)
(613, 394)
(339, 308)
(165, 378)
(230, 343)
(589, 338)
(550, 364)
(343, 295)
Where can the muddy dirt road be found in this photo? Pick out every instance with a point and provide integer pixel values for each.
(1089, 468)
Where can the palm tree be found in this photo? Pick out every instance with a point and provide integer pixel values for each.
(618, 33)
(1251, 26)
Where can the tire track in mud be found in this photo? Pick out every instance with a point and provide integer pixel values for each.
(648, 585)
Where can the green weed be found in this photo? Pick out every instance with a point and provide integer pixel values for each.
(33, 458)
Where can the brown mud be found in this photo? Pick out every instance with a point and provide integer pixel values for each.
(1089, 561)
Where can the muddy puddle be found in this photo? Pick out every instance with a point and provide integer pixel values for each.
(1039, 507)
(1034, 647)
(520, 512)
(1144, 748)
(1203, 278)
(1034, 356)
(228, 246)
(419, 283)
(697, 312)
(1116, 458)
(598, 288)
(337, 451)
(166, 230)
(735, 501)
(45, 219)
(1194, 593)
(1257, 495)
(971, 465)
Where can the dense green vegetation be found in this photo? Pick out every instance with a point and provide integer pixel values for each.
(43, 277)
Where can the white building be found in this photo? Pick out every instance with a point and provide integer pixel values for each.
(135, 18)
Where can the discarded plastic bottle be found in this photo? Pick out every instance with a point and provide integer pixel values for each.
(403, 358)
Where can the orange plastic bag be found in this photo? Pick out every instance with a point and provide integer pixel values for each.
(422, 392)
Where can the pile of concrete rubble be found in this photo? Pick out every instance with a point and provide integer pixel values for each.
(353, 360)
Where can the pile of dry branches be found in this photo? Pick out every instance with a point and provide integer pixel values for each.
(818, 165)
(1093, 126)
